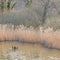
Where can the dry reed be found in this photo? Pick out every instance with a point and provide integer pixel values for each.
(47, 37)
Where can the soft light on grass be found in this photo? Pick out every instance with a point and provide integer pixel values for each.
(46, 36)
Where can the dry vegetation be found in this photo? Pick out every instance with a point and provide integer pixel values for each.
(45, 36)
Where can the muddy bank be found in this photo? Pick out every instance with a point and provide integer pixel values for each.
(43, 44)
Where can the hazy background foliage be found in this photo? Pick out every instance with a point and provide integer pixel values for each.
(32, 15)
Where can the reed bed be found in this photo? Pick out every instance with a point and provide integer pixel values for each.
(45, 36)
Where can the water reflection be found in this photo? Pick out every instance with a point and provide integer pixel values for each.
(23, 51)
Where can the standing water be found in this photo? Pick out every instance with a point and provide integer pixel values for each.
(25, 51)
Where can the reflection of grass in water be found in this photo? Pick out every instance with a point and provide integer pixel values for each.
(23, 55)
(27, 51)
(20, 57)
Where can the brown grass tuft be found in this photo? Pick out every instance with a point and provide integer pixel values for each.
(48, 37)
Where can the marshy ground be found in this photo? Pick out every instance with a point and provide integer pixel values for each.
(24, 43)
(21, 34)
(26, 51)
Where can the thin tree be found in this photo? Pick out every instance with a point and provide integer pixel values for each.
(44, 14)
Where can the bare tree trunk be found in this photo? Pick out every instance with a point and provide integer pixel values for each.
(44, 15)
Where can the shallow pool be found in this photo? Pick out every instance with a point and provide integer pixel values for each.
(25, 51)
